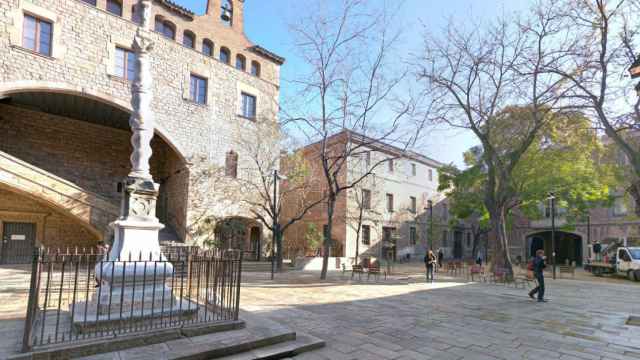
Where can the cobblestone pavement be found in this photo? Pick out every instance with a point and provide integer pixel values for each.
(408, 319)
(404, 318)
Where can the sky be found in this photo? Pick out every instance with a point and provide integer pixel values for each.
(266, 24)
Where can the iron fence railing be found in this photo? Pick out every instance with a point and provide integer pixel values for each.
(76, 296)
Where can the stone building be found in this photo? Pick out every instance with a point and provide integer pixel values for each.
(66, 68)
(394, 200)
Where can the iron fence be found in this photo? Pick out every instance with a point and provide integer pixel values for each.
(76, 296)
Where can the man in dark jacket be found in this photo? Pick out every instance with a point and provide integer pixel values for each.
(538, 272)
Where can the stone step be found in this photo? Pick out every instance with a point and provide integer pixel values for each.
(303, 343)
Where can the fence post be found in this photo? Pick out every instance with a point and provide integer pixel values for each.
(32, 302)
(237, 309)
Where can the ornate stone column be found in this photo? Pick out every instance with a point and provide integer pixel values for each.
(136, 271)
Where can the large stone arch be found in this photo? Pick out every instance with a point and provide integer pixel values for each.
(85, 204)
(25, 86)
(571, 245)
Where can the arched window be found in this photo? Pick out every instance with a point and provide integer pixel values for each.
(225, 55)
(207, 47)
(90, 2)
(136, 17)
(165, 27)
(241, 62)
(114, 7)
(226, 13)
(255, 68)
(189, 39)
(231, 164)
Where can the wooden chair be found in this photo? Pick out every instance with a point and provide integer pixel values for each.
(476, 270)
(498, 275)
(375, 270)
(357, 269)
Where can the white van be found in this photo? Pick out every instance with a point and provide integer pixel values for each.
(628, 262)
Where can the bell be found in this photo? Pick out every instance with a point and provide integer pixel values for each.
(634, 70)
(226, 14)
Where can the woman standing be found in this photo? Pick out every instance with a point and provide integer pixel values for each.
(430, 261)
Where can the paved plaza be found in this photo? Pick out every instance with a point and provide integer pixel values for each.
(404, 318)
(408, 319)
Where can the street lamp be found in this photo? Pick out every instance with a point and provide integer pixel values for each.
(552, 198)
(430, 205)
(276, 239)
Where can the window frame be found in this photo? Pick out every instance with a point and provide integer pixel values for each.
(390, 205)
(430, 174)
(225, 50)
(243, 95)
(188, 34)
(195, 96)
(241, 60)
(256, 68)
(125, 65)
(207, 42)
(120, 4)
(413, 204)
(390, 166)
(366, 199)
(414, 169)
(413, 235)
(37, 34)
(366, 240)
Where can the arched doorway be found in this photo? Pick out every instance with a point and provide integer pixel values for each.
(240, 233)
(79, 147)
(568, 246)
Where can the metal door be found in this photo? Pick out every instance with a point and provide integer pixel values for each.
(18, 242)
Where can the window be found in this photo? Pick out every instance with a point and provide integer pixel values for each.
(430, 175)
(248, 106)
(390, 165)
(189, 39)
(207, 47)
(367, 159)
(413, 170)
(114, 7)
(37, 35)
(231, 164)
(366, 199)
(366, 235)
(412, 204)
(390, 202)
(198, 89)
(241, 62)
(136, 16)
(444, 238)
(619, 206)
(468, 240)
(226, 13)
(225, 55)
(165, 28)
(255, 68)
(125, 66)
(412, 235)
(445, 212)
(90, 2)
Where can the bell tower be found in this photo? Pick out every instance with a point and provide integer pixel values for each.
(227, 13)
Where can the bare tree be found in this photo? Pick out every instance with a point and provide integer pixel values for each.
(475, 77)
(605, 40)
(349, 90)
(265, 193)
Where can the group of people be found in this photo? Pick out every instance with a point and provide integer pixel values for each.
(536, 265)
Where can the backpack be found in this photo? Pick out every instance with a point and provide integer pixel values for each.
(530, 265)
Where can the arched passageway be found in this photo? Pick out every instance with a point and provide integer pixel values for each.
(240, 233)
(568, 246)
(69, 151)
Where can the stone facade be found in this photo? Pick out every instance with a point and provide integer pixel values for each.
(66, 141)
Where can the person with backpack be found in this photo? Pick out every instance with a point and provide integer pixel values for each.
(429, 263)
(537, 266)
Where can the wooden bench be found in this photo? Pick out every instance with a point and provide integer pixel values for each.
(357, 269)
(567, 269)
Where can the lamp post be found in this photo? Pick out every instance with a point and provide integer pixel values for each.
(430, 205)
(276, 236)
(552, 198)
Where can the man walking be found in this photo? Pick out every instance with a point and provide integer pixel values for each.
(429, 262)
(538, 272)
(440, 257)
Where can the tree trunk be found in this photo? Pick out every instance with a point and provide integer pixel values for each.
(501, 255)
(634, 191)
(331, 203)
(360, 215)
